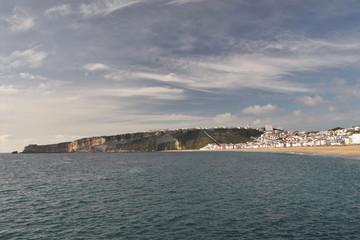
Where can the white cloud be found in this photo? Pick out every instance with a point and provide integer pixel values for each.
(28, 58)
(61, 10)
(4, 137)
(26, 75)
(313, 101)
(8, 89)
(171, 77)
(257, 122)
(113, 76)
(20, 21)
(152, 92)
(181, 2)
(95, 67)
(224, 118)
(261, 110)
(105, 7)
(316, 101)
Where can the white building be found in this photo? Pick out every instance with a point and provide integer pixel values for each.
(355, 138)
(269, 128)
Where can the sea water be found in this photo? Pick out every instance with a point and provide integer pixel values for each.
(179, 195)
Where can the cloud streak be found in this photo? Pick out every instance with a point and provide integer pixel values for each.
(61, 10)
(151, 92)
(95, 67)
(182, 2)
(105, 7)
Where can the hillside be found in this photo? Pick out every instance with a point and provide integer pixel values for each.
(183, 139)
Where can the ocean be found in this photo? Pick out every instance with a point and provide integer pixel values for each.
(179, 195)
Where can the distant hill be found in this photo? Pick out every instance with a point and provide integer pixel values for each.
(183, 139)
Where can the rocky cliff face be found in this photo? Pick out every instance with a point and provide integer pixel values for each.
(147, 141)
(81, 145)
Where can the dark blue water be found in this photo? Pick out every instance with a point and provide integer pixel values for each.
(196, 195)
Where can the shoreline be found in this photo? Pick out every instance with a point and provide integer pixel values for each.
(347, 151)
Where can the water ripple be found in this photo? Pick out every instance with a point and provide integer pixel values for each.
(178, 196)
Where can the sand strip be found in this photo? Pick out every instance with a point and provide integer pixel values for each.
(349, 151)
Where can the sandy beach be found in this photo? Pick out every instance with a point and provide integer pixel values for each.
(352, 151)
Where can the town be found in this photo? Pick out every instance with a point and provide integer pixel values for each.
(276, 138)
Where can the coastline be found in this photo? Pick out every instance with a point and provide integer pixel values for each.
(348, 151)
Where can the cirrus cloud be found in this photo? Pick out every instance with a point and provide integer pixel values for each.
(20, 21)
(61, 10)
(151, 92)
(104, 7)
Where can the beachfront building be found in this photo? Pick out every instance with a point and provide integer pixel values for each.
(355, 138)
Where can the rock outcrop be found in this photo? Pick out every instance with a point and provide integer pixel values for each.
(148, 141)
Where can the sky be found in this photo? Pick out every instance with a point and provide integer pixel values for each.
(73, 69)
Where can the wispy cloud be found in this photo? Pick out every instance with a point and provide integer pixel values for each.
(61, 10)
(95, 67)
(8, 89)
(26, 75)
(235, 73)
(105, 7)
(152, 92)
(181, 2)
(171, 77)
(20, 21)
(29, 58)
(261, 110)
(267, 65)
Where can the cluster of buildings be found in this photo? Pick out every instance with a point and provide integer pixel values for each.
(280, 139)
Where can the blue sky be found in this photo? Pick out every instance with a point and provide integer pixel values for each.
(72, 69)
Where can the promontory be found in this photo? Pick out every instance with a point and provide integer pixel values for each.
(181, 139)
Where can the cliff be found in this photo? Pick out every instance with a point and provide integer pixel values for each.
(149, 141)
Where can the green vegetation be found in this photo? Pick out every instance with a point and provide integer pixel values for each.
(196, 139)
